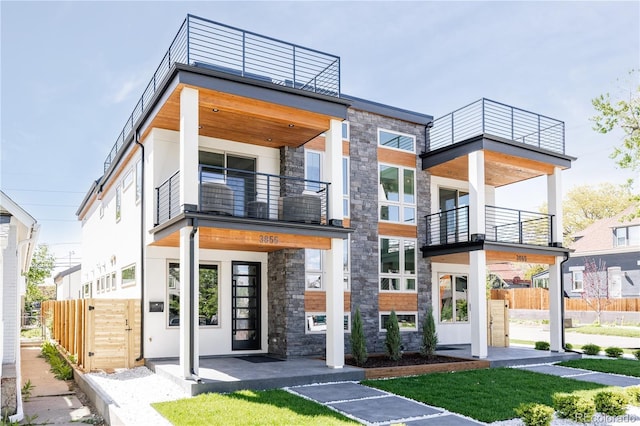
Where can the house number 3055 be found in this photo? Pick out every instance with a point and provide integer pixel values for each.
(268, 239)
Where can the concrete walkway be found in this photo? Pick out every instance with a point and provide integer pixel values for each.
(584, 375)
(52, 401)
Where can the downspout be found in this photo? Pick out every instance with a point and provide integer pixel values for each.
(192, 301)
(142, 257)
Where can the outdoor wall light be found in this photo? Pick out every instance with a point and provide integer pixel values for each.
(215, 110)
(291, 125)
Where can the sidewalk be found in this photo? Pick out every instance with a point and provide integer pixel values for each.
(52, 401)
(536, 333)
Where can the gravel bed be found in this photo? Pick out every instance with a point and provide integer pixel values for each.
(132, 392)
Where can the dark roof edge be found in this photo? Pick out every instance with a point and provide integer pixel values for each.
(389, 111)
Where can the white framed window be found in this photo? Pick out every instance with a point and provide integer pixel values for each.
(626, 236)
(396, 140)
(316, 322)
(102, 283)
(128, 276)
(577, 280)
(345, 187)
(345, 130)
(407, 321)
(86, 289)
(346, 263)
(397, 194)
(118, 203)
(127, 180)
(397, 264)
(208, 301)
(113, 281)
(313, 170)
(453, 297)
(138, 180)
(107, 286)
(313, 269)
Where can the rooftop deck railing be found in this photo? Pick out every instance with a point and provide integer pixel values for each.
(493, 118)
(239, 193)
(501, 225)
(211, 45)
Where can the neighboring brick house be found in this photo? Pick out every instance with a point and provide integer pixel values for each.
(251, 206)
(614, 245)
(18, 236)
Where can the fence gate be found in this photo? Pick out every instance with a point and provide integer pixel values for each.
(498, 322)
(112, 333)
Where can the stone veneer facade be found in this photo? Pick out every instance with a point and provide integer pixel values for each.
(286, 287)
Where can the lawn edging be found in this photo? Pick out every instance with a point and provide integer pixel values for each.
(415, 370)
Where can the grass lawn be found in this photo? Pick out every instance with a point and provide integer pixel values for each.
(607, 331)
(487, 395)
(628, 367)
(273, 407)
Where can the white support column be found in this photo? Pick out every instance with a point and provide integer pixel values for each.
(188, 255)
(556, 292)
(333, 258)
(477, 258)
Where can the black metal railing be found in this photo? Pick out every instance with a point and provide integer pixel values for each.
(501, 225)
(239, 193)
(494, 118)
(208, 44)
(168, 199)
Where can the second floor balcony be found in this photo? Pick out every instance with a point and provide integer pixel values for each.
(502, 225)
(238, 194)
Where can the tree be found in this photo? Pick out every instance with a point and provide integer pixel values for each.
(429, 335)
(595, 286)
(392, 341)
(358, 342)
(622, 113)
(42, 263)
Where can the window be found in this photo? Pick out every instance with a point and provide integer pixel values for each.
(389, 139)
(346, 264)
(313, 269)
(577, 278)
(127, 180)
(345, 186)
(397, 264)
(407, 321)
(626, 236)
(397, 194)
(316, 322)
(312, 170)
(345, 130)
(118, 203)
(108, 284)
(138, 181)
(113, 280)
(101, 210)
(102, 282)
(453, 298)
(208, 306)
(86, 289)
(129, 276)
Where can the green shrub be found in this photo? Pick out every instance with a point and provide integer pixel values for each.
(429, 335)
(59, 366)
(358, 342)
(533, 414)
(636, 353)
(574, 407)
(542, 346)
(633, 393)
(613, 352)
(392, 340)
(591, 349)
(568, 346)
(611, 403)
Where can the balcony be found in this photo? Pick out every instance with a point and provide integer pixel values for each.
(231, 193)
(518, 145)
(211, 46)
(502, 225)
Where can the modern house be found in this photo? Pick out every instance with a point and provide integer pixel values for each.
(251, 206)
(613, 245)
(18, 237)
(69, 286)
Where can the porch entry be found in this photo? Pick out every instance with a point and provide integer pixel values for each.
(245, 306)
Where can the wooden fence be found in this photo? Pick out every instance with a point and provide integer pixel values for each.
(538, 298)
(103, 334)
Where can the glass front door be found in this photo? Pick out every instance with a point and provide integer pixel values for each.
(245, 306)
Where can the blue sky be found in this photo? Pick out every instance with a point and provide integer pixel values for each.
(72, 72)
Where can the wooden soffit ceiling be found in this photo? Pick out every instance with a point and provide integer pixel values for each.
(233, 117)
(499, 169)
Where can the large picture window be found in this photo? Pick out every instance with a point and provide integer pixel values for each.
(208, 306)
(454, 298)
(128, 275)
(397, 194)
(397, 264)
